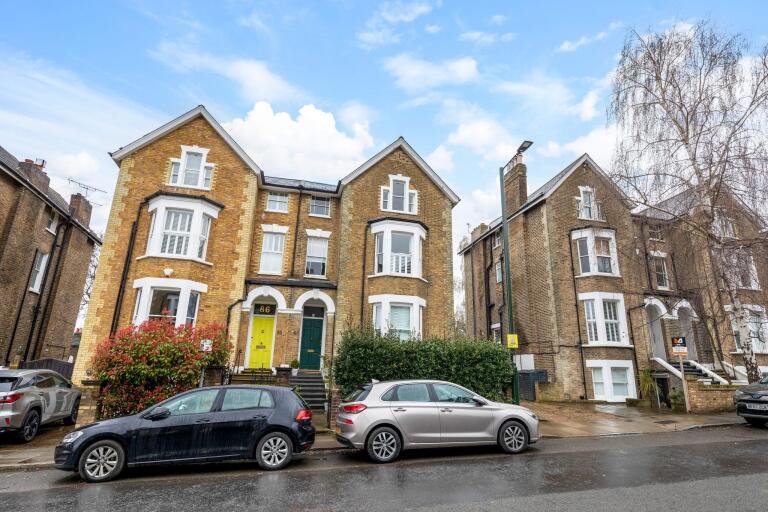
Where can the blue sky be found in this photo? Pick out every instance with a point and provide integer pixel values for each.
(313, 89)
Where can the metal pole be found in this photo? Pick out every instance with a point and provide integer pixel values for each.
(508, 288)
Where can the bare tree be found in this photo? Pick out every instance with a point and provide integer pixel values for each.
(690, 105)
(90, 277)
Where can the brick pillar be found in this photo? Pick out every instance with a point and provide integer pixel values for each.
(333, 408)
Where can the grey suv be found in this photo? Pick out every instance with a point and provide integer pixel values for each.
(30, 398)
(384, 418)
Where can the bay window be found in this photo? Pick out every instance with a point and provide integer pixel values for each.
(272, 248)
(596, 251)
(605, 317)
(399, 196)
(399, 314)
(191, 169)
(174, 300)
(180, 227)
(398, 248)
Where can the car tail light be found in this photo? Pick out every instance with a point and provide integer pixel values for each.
(304, 414)
(354, 408)
(9, 399)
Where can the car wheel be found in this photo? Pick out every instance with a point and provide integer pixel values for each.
(383, 445)
(274, 451)
(513, 437)
(29, 427)
(756, 422)
(72, 418)
(101, 461)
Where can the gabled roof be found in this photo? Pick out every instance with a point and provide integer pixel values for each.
(401, 143)
(168, 127)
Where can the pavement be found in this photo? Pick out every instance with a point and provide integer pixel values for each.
(558, 420)
(713, 469)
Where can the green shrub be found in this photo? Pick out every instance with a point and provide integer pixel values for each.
(482, 366)
(142, 365)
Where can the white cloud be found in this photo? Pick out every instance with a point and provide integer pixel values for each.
(498, 19)
(486, 38)
(441, 159)
(309, 146)
(415, 75)
(254, 21)
(432, 29)
(478, 131)
(51, 113)
(572, 46)
(600, 143)
(379, 29)
(255, 79)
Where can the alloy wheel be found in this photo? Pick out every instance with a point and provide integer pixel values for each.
(514, 437)
(31, 426)
(275, 451)
(384, 445)
(101, 462)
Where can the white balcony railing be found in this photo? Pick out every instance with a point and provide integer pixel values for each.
(401, 263)
(589, 210)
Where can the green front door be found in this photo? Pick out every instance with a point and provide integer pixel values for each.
(311, 343)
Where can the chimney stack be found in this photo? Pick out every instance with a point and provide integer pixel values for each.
(515, 183)
(478, 231)
(80, 208)
(33, 171)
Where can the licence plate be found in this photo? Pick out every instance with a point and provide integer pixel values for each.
(758, 407)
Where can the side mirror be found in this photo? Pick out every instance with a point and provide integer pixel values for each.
(158, 413)
(479, 400)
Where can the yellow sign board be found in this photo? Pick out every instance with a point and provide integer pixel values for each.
(512, 341)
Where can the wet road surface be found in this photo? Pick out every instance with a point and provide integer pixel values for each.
(713, 469)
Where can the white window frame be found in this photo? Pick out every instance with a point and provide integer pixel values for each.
(656, 228)
(590, 234)
(311, 204)
(272, 229)
(317, 234)
(606, 365)
(387, 227)
(387, 192)
(206, 169)
(594, 207)
(599, 313)
(36, 280)
(53, 222)
(499, 272)
(271, 193)
(158, 208)
(146, 285)
(496, 239)
(384, 303)
(660, 256)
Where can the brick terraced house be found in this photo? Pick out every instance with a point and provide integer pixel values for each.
(599, 288)
(198, 233)
(45, 250)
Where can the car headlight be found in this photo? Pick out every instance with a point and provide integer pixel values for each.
(531, 414)
(738, 394)
(72, 437)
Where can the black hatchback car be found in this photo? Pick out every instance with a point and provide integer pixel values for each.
(265, 423)
(752, 402)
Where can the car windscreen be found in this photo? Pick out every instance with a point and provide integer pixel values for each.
(358, 395)
(8, 383)
(765, 380)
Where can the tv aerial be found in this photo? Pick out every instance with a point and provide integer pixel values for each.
(86, 188)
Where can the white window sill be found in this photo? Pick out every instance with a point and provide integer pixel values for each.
(175, 257)
(275, 211)
(663, 288)
(399, 211)
(600, 344)
(312, 276)
(390, 274)
(597, 274)
(36, 292)
(51, 231)
(193, 187)
(593, 220)
(263, 273)
(319, 216)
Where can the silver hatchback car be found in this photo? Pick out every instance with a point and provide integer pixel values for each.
(30, 398)
(384, 418)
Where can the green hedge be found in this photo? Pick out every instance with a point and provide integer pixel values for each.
(482, 366)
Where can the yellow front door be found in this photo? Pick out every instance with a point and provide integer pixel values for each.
(262, 329)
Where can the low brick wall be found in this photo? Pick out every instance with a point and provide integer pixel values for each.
(710, 398)
(88, 402)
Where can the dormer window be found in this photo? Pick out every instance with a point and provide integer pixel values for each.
(656, 232)
(399, 197)
(191, 169)
(587, 207)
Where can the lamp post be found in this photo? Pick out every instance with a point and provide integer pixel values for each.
(511, 336)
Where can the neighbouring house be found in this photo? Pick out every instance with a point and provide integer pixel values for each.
(197, 233)
(45, 250)
(600, 288)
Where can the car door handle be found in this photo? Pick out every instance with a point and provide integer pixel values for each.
(399, 409)
(446, 410)
(203, 420)
(259, 417)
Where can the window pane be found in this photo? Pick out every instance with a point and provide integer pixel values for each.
(192, 403)
(236, 399)
(178, 224)
(412, 202)
(277, 201)
(272, 253)
(398, 195)
(192, 307)
(448, 393)
(320, 206)
(164, 304)
(192, 170)
(207, 176)
(583, 255)
(175, 172)
(379, 241)
(401, 243)
(385, 199)
(499, 272)
(202, 247)
(611, 315)
(597, 382)
(377, 317)
(400, 320)
(412, 393)
(589, 311)
(317, 251)
(620, 382)
(401, 253)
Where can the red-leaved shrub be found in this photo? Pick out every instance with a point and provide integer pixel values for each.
(142, 365)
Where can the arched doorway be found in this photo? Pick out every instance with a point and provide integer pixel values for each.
(685, 318)
(261, 337)
(312, 340)
(658, 347)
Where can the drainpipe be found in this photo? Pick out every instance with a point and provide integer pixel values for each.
(20, 309)
(472, 275)
(296, 227)
(126, 267)
(49, 300)
(634, 346)
(362, 276)
(578, 318)
(40, 295)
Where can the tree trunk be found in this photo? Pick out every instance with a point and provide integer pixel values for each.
(741, 314)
